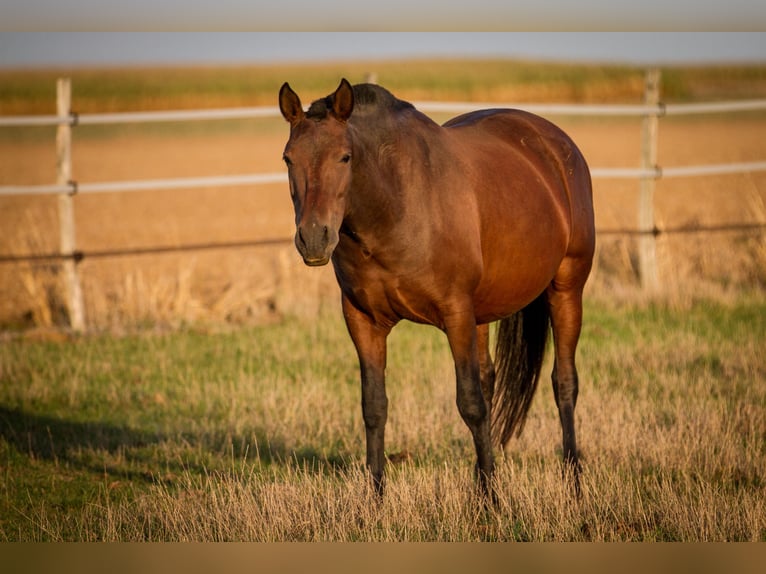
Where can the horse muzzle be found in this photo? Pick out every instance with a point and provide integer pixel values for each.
(315, 243)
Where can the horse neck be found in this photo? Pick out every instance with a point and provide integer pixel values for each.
(376, 193)
(384, 159)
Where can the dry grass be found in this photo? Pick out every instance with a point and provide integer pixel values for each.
(432, 503)
(257, 435)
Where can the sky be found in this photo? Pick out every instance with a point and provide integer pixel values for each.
(66, 49)
(402, 15)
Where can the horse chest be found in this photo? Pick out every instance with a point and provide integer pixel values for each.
(385, 295)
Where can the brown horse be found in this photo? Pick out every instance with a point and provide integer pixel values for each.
(487, 217)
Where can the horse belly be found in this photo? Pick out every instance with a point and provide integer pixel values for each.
(519, 262)
(525, 229)
(506, 295)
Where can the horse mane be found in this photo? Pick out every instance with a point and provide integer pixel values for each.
(367, 98)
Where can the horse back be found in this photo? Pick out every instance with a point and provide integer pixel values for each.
(538, 140)
(533, 191)
(534, 151)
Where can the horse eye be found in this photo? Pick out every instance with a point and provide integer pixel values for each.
(346, 158)
(287, 160)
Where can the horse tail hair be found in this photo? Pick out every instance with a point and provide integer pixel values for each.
(519, 353)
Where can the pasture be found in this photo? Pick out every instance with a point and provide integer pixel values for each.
(256, 434)
(216, 394)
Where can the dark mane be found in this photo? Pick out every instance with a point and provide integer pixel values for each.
(366, 98)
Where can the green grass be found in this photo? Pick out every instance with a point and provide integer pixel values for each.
(256, 434)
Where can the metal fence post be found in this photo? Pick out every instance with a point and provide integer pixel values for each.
(70, 276)
(647, 247)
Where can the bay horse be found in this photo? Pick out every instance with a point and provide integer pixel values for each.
(488, 217)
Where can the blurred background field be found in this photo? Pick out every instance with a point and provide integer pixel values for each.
(216, 396)
(254, 284)
(135, 88)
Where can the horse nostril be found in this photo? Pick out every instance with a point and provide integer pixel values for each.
(300, 236)
(325, 233)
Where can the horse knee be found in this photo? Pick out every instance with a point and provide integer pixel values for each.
(565, 386)
(488, 382)
(375, 413)
(567, 390)
(472, 408)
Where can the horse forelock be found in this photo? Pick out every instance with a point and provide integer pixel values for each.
(367, 98)
(319, 109)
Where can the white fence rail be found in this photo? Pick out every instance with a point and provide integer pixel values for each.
(74, 188)
(654, 172)
(650, 111)
(660, 110)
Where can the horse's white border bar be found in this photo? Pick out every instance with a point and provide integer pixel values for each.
(74, 119)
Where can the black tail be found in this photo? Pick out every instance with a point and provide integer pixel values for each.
(519, 353)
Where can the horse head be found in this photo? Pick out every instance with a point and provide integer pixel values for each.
(318, 158)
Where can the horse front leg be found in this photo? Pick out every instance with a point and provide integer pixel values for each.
(370, 342)
(471, 402)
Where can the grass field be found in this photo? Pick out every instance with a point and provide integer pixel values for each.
(215, 395)
(102, 90)
(256, 434)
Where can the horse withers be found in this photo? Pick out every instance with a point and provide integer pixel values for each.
(488, 217)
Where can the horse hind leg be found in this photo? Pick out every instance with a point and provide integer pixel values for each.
(566, 320)
(486, 366)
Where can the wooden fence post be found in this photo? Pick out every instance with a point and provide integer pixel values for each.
(70, 276)
(647, 248)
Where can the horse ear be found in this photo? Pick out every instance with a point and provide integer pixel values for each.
(343, 101)
(290, 104)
